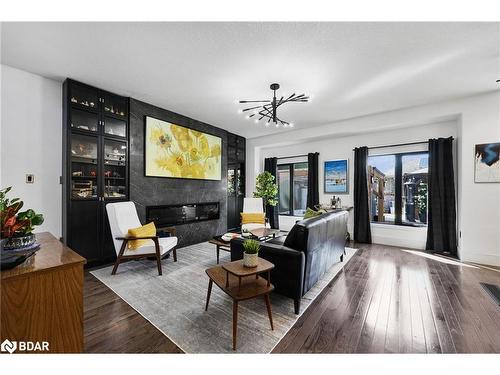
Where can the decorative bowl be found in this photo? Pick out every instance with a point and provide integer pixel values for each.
(19, 242)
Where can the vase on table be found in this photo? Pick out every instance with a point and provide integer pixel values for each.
(250, 260)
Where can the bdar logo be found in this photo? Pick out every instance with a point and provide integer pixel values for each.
(8, 346)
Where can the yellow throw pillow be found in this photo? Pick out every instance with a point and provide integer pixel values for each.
(147, 230)
(252, 218)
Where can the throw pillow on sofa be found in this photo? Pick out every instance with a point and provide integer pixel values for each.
(311, 213)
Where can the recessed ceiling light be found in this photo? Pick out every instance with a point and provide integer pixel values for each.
(291, 125)
(240, 111)
(277, 125)
(256, 121)
(267, 124)
(247, 117)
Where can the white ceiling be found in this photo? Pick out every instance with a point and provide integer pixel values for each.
(200, 69)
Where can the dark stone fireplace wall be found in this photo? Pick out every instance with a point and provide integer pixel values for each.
(150, 191)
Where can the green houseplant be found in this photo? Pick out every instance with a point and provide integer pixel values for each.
(16, 226)
(266, 189)
(421, 201)
(251, 253)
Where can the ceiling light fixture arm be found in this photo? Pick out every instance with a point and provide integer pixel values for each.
(269, 109)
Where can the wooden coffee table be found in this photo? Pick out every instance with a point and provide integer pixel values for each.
(242, 283)
(220, 245)
(264, 233)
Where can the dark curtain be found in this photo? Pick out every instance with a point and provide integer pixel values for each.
(362, 231)
(312, 180)
(270, 165)
(441, 211)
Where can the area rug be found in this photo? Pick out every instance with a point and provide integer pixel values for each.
(175, 302)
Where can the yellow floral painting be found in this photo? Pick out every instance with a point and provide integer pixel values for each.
(175, 151)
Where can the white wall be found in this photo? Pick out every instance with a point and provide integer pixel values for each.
(472, 120)
(480, 214)
(31, 142)
(1, 25)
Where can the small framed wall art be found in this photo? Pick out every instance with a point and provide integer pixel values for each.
(487, 162)
(336, 176)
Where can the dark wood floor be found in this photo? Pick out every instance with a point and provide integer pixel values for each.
(112, 326)
(387, 300)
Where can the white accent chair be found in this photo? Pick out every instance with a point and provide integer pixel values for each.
(253, 205)
(122, 216)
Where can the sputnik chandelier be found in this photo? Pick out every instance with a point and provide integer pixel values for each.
(268, 111)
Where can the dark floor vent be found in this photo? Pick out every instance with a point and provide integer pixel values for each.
(493, 291)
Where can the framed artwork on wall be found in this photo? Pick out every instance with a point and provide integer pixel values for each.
(336, 176)
(487, 162)
(178, 152)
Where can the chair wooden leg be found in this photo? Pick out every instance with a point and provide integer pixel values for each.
(119, 257)
(210, 282)
(235, 323)
(115, 267)
(158, 256)
(175, 254)
(269, 312)
(158, 263)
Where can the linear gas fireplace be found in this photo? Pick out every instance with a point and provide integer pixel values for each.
(175, 214)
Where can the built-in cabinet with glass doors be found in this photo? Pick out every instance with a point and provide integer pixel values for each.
(95, 167)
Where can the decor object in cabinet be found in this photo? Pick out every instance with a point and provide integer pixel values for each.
(235, 179)
(95, 167)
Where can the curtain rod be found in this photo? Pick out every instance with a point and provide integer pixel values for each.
(399, 144)
(291, 157)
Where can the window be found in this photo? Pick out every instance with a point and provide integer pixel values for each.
(381, 172)
(292, 184)
(397, 188)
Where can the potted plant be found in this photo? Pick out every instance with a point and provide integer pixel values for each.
(266, 189)
(16, 227)
(251, 253)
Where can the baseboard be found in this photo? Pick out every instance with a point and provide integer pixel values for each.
(398, 242)
(486, 259)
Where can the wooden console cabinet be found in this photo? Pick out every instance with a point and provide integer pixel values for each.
(42, 299)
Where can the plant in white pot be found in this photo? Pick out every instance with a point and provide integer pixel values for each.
(251, 253)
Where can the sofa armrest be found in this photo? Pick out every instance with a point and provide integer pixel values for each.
(265, 247)
(288, 273)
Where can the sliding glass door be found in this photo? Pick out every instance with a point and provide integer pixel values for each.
(292, 184)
